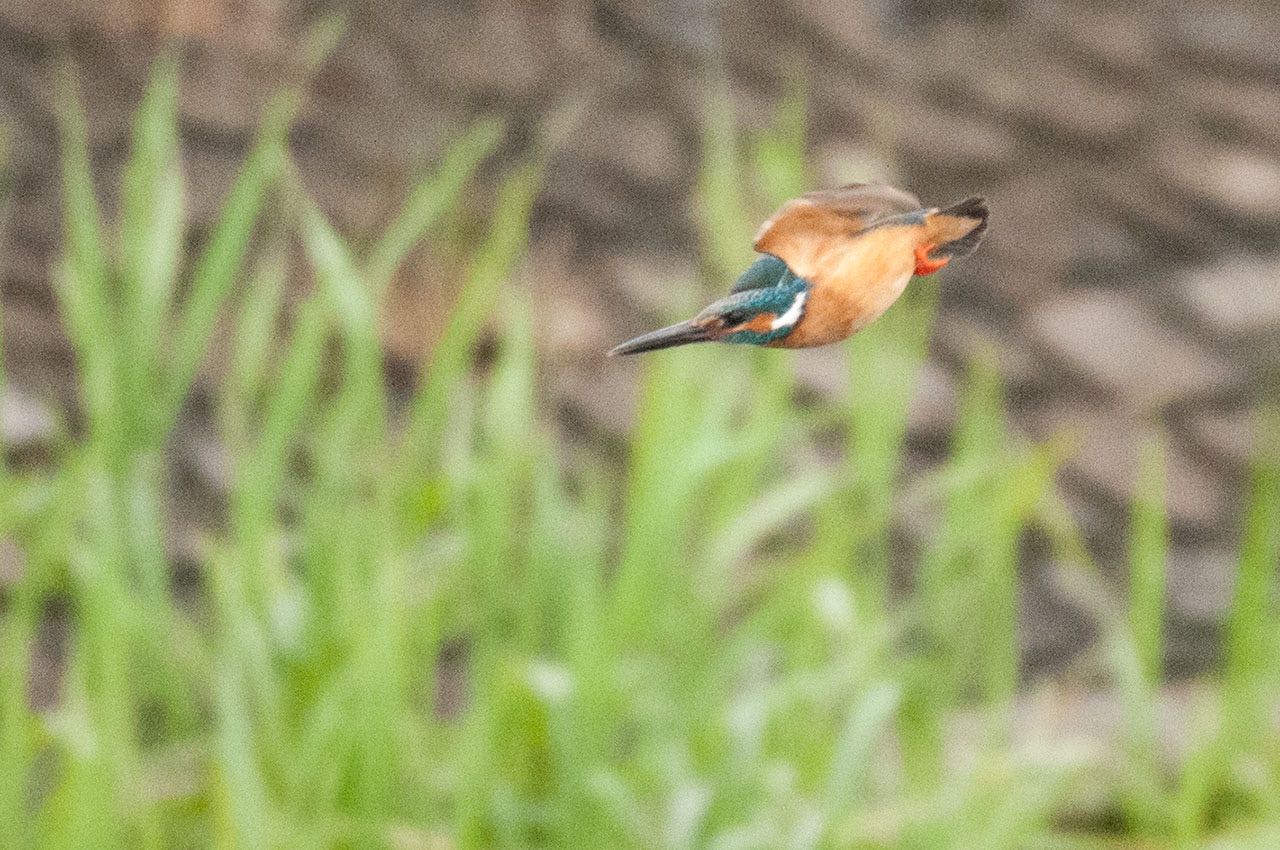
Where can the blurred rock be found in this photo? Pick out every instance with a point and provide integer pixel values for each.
(1113, 41)
(219, 95)
(209, 171)
(843, 108)
(1240, 184)
(42, 355)
(601, 207)
(1237, 295)
(1104, 251)
(758, 43)
(49, 654)
(602, 394)
(208, 457)
(1075, 109)
(1111, 339)
(355, 199)
(1200, 581)
(24, 419)
(933, 406)
(965, 337)
(569, 306)
(823, 371)
(695, 100)
(686, 28)
(1062, 105)
(487, 49)
(851, 28)
(13, 562)
(1098, 521)
(840, 162)
(1234, 108)
(662, 284)
(1171, 231)
(1229, 435)
(956, 146)
(1107, 449)
(25, 274)
(1029, 264)
(572, 327)
(1051, 627)
(638, 140)
(369, 88)
(1238, 36)
(417, 305)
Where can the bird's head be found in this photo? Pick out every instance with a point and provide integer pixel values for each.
(755, 317)
(749, 317)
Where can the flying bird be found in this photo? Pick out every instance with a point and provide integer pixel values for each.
(832, 262)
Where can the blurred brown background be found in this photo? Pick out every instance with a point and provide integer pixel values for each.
(1130, 154)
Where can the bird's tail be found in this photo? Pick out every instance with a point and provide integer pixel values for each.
(668, 337)
(956, 230)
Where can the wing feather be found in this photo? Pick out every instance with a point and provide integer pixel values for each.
(816, 221)
(765, 272)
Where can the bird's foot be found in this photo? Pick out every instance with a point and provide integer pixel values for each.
(924, 264)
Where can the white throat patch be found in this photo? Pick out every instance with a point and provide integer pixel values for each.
(790, 317)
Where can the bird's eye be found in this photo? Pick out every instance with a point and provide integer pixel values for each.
(735, 317)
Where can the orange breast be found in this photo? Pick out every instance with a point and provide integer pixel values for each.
(853, 282)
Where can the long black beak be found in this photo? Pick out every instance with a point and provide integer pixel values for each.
(668, 337)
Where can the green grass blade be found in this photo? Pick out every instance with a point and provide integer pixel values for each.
(83, 279)
(853, 756)
(664, 500)
(1135, 650)
(449, 361)
(430, 201)
(252, 346)
(1148, 542)
(18, 725)
(884, 360)
(725, 197)
(780, 156)
(319, 41)
(784, 505)
(219, 264)
(243, 795)
(151, 232)
(725, 222)
(349, 299)
(1250, 638)
(260, 472)
(5, 180)
(357, 579)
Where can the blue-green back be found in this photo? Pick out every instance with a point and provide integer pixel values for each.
(768, 286)
(767, 271)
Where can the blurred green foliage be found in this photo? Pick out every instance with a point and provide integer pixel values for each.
(437, 630)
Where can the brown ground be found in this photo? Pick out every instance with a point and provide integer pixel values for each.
(1130, 154)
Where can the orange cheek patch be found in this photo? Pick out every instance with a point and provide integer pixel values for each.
(924, 265)
(762, 323)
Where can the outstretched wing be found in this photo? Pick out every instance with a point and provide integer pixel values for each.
(814, 223)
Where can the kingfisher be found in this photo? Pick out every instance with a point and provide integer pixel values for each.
(832, 261)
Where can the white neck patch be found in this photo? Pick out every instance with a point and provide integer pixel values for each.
(790, 317)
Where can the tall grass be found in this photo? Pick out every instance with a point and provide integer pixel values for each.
(434, 630)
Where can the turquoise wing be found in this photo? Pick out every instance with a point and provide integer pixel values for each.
(763, 273)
